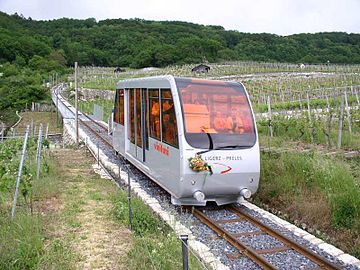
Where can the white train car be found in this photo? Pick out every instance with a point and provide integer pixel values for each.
(196, 138)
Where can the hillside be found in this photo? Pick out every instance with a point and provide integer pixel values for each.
(139, 43)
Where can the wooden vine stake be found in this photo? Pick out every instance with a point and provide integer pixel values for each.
(327, 134)
(340, 121)
(347, 111)
(357, 97)
(309, 115)
(269, 110)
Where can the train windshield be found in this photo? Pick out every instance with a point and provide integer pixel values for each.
(217, 115)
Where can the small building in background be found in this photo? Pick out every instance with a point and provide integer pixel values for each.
(118, 70)
(201, 69)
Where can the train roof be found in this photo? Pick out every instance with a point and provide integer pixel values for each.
(165, 81)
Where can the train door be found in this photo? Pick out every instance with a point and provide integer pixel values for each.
(137, 131)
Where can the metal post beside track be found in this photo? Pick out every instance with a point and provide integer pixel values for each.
(57, 107)
(185, 251)
(129, 196)
(20, 171)
(119, 171)
(76, 106)
(98, 154)
(47, 131)
(38, 152)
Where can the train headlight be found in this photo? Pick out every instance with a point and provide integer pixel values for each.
(199, 196)
(245, 193)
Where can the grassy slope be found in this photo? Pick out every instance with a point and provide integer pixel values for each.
(321, 192)
(79, 221)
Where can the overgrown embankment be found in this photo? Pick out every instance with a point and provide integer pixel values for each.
(321, 194)
(67, 222)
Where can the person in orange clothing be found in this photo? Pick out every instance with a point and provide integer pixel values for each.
(169, 122)
(155, 115)
(237, 122)
(238, 126)
(222, 123)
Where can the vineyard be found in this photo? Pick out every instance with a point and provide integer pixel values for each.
(308, 120)
(261, 77)
(10, 155)
(315, 104)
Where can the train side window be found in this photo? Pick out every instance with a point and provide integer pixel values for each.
(169, 126)
(138, 118)
(146, 106)
(131, 128)
(154, 106)
(116, 107)
(121, 106)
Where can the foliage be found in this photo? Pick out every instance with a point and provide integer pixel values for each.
(318, 131)
(10, 151)
(140, 43)
(26, 61)
(297, 105)
(21, 242)
(309, 183)
(144, 222)
(22, 85)
(154, 244)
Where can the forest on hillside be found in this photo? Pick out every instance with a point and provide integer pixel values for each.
(140, 43)
(31, 51)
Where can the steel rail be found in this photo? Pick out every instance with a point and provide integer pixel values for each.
(320, 261)
(84, 114)
(88, 126)
(94, 121)
(247, 251)
(253, 254)
(96, 132)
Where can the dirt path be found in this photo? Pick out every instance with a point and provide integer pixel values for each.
(99, 242)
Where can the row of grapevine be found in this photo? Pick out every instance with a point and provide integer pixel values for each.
(22, 165)
(313, 93)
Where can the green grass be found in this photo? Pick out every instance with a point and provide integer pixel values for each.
(155, 244)
(59, 255)
(88, 107)
(9, 116)
(23, 240)
(300, 129)
(306, 185)
(96, 196)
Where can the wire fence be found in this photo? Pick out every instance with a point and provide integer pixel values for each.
(12, 157)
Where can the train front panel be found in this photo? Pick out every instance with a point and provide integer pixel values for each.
(220, 154)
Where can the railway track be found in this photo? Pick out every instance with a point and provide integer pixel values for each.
(219, 226)
(228, 227)
(99, 130)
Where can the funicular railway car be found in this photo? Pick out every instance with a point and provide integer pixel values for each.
(196, 138)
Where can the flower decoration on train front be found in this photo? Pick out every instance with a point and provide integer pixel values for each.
(197, 164)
